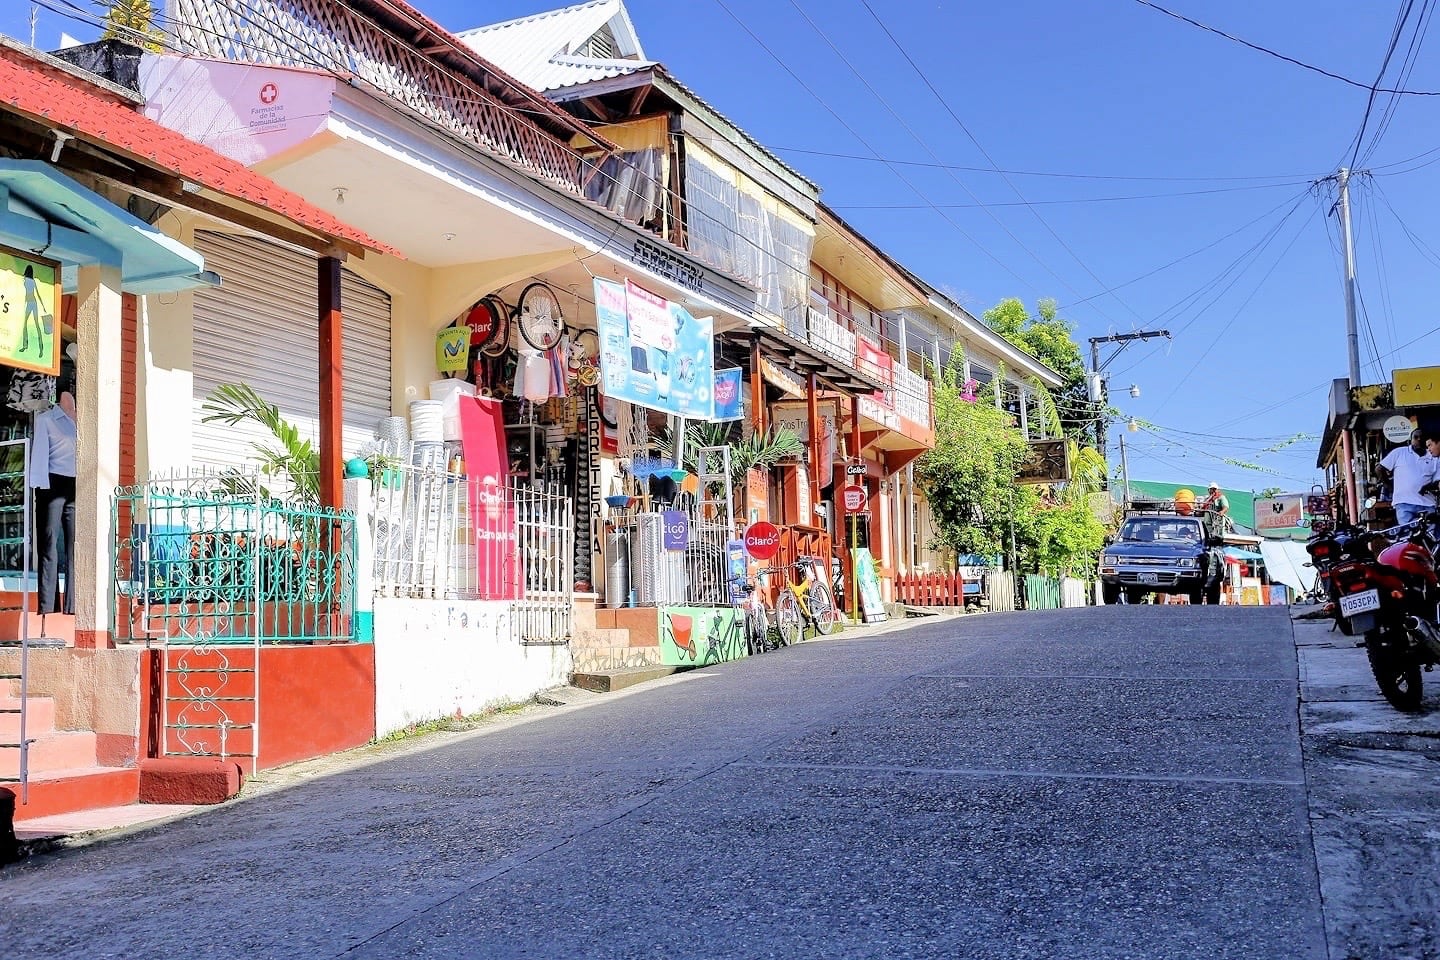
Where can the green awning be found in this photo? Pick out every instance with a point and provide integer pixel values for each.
(45, 212)
(1242, 502)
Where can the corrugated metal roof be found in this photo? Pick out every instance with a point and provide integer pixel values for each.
(539, 50)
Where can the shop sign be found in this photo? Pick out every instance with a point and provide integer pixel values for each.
(677, 530)
(872, 603)
(1278, 513)
(452, 349)
(854, 498)
(668, 265)
(29, 321)
(1416, 386)
(1049, 462)
(857, 469)
(762, 540)
(653, 353)
(729, 394)
(736, 568)
(1397, 429)
(787, 380)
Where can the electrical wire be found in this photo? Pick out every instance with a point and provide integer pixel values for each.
(1193, 253)
(1288, 59)
(983, 152)
(1071, 201)
(1407, 66)
(1231, 322)
(1401, 19)
(1038, 173)
(983, 248)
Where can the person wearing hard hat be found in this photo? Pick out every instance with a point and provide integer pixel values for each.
(1215, 508)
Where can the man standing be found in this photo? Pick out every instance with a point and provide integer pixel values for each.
(1411, 467)
(1215, 511)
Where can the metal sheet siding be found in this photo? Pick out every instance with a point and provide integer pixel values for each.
(260, 328)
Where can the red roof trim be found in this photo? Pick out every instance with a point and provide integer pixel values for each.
(95, 115)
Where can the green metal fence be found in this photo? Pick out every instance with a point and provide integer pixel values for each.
(1041, 593)
(212, 559)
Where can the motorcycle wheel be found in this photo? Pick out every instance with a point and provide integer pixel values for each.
(1397, 674)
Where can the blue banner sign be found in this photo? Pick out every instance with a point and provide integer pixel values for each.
(653, 353)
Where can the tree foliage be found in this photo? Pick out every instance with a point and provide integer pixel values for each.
(1049, 339)
(133, 21)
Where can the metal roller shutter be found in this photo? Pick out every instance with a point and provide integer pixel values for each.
(260, 328)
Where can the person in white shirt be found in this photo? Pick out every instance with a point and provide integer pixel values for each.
(1411, 468)
(52, 474)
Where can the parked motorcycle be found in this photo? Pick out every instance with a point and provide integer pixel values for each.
(1393, 600)
(1332, 547)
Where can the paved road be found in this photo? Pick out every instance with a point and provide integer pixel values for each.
(1096, 783)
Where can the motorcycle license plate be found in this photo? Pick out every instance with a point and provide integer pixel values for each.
(1152, 578)
(1362, 602)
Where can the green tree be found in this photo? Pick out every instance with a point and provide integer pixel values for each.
(1049, 339)
(969, 477)
(133, 21)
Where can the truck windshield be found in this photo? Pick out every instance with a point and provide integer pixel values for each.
(1150, 529)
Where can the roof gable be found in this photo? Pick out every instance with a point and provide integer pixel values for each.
(554, 49)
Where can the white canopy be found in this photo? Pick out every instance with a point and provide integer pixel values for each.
(1285, 562)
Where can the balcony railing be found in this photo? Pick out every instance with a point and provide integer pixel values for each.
(328, 35)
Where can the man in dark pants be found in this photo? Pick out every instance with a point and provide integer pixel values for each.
(52, 474)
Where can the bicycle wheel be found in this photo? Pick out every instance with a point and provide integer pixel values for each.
(823, 609)
(755, 629)
(499, 340)
(788, 619)
(538, 317)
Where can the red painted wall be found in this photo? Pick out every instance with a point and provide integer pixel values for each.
(314, 701)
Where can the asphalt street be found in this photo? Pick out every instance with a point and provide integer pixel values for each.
(1119, 782)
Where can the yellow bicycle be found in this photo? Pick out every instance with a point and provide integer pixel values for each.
(806, 602)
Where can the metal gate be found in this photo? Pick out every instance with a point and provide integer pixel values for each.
(207, 569)
(16, 549)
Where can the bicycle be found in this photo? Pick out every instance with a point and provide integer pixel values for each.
(806, 602)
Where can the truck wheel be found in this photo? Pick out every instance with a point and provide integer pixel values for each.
(1109, 592)
(1134, 595)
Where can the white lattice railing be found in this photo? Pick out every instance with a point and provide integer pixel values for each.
(329, 35)
(912, 396)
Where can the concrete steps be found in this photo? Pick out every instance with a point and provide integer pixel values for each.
(609, 681)
(64, 775)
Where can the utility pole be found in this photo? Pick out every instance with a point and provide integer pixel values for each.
(1096, 388)
(1352, 338)
(1124, 470)
(34, 17)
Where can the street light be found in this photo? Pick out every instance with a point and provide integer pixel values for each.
(1134, 389)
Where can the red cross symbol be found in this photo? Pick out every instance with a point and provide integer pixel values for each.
(269, 93)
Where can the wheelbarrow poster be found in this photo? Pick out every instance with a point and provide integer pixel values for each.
(29, 312)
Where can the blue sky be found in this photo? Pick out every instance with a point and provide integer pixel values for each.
(1124, 102)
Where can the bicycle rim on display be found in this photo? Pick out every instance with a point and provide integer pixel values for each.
(499, 340)
(538, 317)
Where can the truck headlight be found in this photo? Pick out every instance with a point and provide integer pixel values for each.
(1110, 561)
(1187, 563)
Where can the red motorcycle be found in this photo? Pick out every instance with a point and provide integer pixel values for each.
(1392, 600)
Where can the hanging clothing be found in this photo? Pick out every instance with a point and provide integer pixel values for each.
(30, 392)
(52, 451)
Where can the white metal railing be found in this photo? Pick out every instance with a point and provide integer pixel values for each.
(439, 534)
(912, 395)
(831, 337)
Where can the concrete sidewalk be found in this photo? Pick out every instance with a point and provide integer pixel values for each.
(81, 828)
(1373, 777)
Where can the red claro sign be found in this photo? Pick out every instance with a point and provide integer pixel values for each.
(762, 540)
(854, 499)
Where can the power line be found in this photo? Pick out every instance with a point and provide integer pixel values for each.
(1075, 200)
(1036, 173)
(1239, 310)
(1395, 35)
(1407, 66)
(865, 143)
(1280, 56)
(983, 152)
